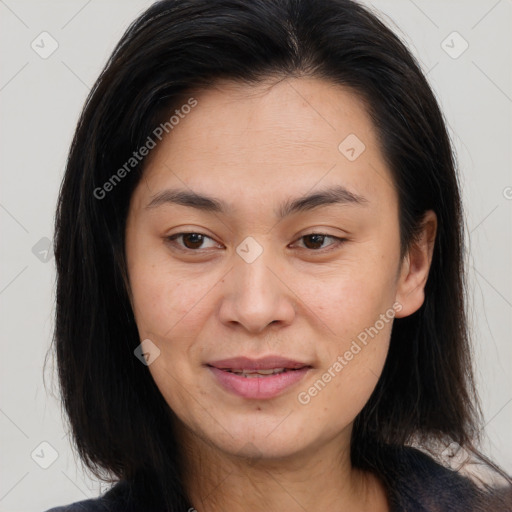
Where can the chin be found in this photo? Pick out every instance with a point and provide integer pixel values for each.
(259, 449)
(275, 437)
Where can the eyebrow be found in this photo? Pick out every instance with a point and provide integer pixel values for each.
(332, 195)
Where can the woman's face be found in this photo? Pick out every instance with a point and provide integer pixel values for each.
(253, 286)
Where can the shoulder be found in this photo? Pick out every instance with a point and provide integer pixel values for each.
(116, 499)
(415, 482)
(418, 482)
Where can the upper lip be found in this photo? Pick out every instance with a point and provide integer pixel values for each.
(264, 363)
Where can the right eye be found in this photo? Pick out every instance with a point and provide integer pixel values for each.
(190, 241)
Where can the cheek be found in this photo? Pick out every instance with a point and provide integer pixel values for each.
(349, 299)
(355, 308)
(339, 400)
(164, 301)
(352, 363)
(169, 311)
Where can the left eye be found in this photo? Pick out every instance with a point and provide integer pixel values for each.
(317, 239)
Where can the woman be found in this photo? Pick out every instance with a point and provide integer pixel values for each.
(260, 298)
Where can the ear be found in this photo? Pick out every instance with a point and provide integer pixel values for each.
(415, 267)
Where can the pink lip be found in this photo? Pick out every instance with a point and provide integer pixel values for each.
(264, 387)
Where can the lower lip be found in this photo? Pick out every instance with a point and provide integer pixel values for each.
(258, 387)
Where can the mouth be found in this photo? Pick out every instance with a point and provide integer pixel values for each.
(258, 378)
(269, 365)
(251, 374)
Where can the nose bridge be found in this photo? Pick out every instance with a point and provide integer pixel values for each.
(254, 278)
(256, 297)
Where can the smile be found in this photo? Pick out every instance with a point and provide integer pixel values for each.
(258, 379)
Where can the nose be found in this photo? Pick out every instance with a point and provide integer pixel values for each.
(256, 295)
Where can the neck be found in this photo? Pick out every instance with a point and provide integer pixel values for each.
(321, 478)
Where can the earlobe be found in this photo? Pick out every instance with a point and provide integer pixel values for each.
(416, 266)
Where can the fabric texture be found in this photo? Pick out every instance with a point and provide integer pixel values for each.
(415, 483)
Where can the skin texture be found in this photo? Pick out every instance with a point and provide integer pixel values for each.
(255, 147)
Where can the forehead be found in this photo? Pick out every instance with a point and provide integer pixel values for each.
(256, 140)
(287, 115)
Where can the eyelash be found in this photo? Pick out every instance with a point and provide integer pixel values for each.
(339, 241)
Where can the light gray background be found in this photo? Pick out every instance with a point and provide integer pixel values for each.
(40, 100)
